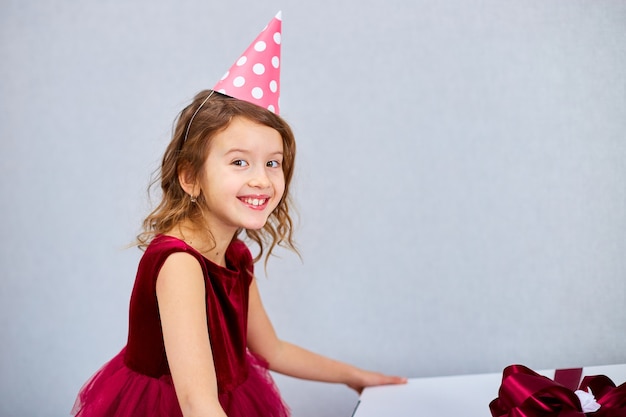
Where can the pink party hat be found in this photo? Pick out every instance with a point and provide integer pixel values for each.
(255, 76)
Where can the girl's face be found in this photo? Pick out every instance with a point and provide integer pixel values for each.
(242, 178)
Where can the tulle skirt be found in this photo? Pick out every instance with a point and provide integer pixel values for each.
(118, 391)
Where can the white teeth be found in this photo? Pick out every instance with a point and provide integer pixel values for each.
(255, 201)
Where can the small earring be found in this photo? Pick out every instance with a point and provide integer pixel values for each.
(193, 198)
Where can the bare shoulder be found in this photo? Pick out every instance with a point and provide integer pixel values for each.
(180, 268)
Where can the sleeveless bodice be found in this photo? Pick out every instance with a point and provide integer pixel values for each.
(227, 311)
(137, 381)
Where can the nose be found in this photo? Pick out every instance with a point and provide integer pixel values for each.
(259, 178)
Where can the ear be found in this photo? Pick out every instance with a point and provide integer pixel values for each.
(188, 182)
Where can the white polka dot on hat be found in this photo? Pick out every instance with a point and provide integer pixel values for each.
(255, 76)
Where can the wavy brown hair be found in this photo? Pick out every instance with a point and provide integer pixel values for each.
(194, 129)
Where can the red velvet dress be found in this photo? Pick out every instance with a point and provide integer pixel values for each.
(137, 381)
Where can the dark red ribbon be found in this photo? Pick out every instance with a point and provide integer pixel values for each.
(525, 393)
(612, 399)
(569, 378)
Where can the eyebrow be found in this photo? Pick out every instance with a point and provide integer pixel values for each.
(245, 151)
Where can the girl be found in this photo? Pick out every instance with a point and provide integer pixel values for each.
(200, 342)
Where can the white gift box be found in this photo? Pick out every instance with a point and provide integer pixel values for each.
(451, 396)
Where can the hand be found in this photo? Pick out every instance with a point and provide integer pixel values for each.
(369, 379)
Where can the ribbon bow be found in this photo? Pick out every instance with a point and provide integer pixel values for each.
(525, 393)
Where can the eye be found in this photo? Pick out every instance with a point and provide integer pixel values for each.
(273, 164)
(240, 163)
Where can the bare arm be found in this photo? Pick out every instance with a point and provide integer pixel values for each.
(292, 360)
(182, 307)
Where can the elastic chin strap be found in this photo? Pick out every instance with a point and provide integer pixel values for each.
(196, 112)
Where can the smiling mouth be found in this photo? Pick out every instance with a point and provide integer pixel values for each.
(255, 202)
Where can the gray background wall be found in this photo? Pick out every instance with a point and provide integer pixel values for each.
(461, 181)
